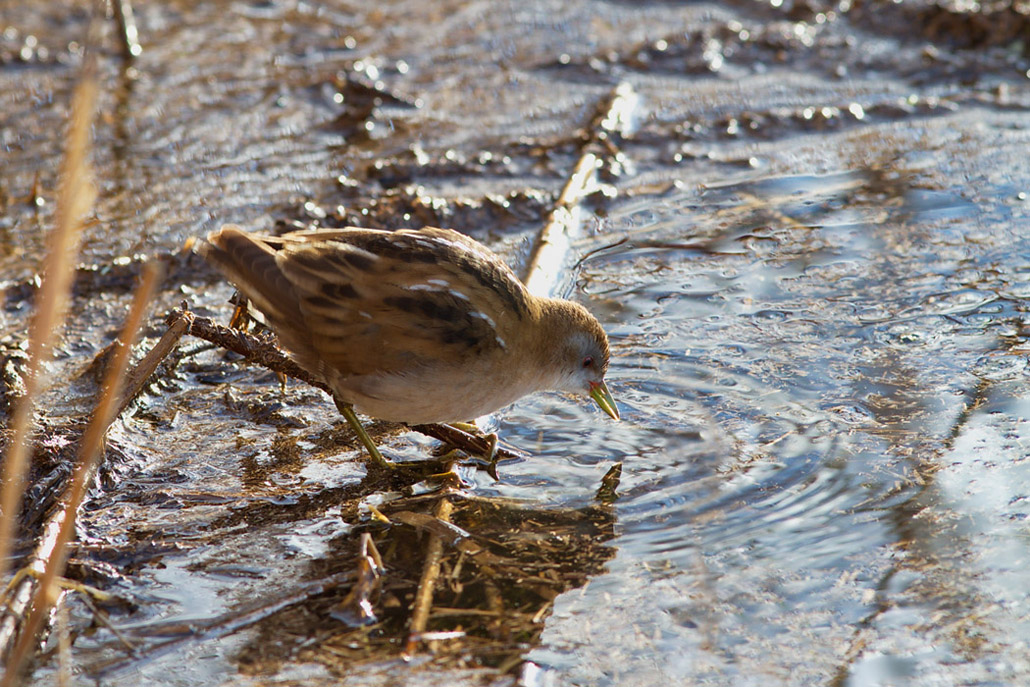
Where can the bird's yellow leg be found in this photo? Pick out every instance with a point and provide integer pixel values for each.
(348, 412)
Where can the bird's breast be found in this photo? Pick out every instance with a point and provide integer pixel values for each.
(434, 395)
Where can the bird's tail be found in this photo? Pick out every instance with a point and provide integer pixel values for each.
(249, 262)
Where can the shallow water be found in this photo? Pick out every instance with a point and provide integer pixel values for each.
(812, 273)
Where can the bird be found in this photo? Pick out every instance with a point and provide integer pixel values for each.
(415, 326)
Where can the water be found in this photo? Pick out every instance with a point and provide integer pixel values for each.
(827, 375)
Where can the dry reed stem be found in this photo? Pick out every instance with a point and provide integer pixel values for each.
(423, 602)
(88, 458)
(550, 252)
(127, 30)
(545, 268)
(74, 199)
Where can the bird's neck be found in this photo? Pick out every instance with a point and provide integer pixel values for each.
(544, 340)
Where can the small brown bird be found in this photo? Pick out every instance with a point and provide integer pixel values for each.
(413, 326)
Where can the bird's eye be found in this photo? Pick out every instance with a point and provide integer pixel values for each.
(588, 361)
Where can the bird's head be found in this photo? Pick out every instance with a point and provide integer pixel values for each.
(579, 353)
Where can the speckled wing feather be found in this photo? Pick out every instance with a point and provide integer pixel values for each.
(399, 301)
(362, 301)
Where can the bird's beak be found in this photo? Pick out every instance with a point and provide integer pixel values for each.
(603, 398)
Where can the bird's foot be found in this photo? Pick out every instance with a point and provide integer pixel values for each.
(490, 454)
(491, 439)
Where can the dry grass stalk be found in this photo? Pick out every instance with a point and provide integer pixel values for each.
(74, 199)
(88, 458)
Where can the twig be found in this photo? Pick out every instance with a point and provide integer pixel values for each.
(102, 618)
(430, 573)
(544, 271)
(358, 607)
(144, 369)
(254, 349)
(615, 118)
(127, 28)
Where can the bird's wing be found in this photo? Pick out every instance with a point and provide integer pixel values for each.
(395, 302)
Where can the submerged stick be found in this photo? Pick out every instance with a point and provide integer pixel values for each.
(220, 626)
(423, 602)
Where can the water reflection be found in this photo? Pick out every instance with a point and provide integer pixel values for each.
(815, 423)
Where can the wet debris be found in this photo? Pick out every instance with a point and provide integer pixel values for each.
(435, 570)
(807, 40)
(360, 92)
(963, 25)
(360, 84)
(471, 582)
(14, 359)
(516, 160)
(402, 201)
(412, 207)
(691, 138)
(52, 462)
(711, 50)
